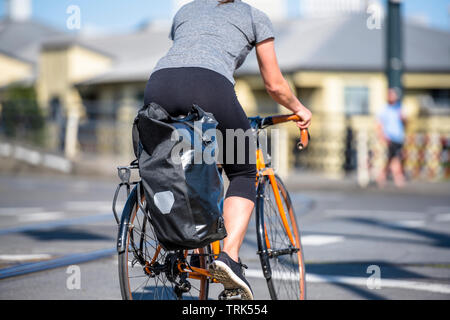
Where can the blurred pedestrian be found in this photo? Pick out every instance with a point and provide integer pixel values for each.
(391, 132)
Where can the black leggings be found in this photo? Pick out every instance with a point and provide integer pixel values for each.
(177, 89)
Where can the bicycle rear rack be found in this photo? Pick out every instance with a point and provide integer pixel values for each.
(124, 173)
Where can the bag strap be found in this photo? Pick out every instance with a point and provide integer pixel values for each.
(135, 138)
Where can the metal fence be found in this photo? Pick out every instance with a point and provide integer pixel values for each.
(339, 145)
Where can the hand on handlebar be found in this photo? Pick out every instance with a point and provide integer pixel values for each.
(301, 123)
(305, 116)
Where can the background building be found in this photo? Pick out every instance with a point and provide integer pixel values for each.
(332, 59)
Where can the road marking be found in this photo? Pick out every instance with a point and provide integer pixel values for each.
(31, 214)
(55, 263)
(442, 217)
(19, 210)
(386, 283)
(59, 223)
(24, 257)
(88, 205)
(407, 223)
(352, 212)
(40, 216)
(357, 281)
(316, 240)
(438, 209)
(92, 205)
(416, 223)
(251, 273)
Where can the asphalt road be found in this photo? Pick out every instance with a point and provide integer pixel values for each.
(48, 224)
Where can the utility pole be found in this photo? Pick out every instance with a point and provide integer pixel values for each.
(394, 46)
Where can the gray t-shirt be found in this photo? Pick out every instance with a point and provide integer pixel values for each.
(215, 37)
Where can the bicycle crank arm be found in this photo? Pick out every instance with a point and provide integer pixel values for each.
(281, 252)
(234, 294)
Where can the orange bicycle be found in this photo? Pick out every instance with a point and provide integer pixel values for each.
(147, 271)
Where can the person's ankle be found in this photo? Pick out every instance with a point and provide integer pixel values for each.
(233, 255)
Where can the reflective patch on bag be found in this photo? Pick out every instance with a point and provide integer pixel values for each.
(164, 201)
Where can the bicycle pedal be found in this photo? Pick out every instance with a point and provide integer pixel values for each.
(231, 294)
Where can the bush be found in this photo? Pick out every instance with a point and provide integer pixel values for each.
(21, 117)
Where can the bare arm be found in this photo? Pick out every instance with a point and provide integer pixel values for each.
(276, 85)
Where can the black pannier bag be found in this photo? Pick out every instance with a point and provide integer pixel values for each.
(184, 196)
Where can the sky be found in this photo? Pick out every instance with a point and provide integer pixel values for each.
(112, 16)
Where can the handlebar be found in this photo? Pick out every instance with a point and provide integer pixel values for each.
(304, 133)
(304, 139)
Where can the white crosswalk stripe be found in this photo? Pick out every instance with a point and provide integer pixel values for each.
(318, 240)
(24, 257)
(358, 281)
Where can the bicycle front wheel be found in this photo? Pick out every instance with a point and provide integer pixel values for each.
(280, 250)
(147, 271)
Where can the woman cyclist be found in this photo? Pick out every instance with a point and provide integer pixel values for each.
(211, 39)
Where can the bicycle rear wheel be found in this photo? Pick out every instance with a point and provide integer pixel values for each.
(282, 262)
(148, 272)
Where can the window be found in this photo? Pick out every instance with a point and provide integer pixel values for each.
(441, 98)
(356, 100)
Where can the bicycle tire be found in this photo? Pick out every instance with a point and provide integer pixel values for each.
(160, 288)
(284, 273)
